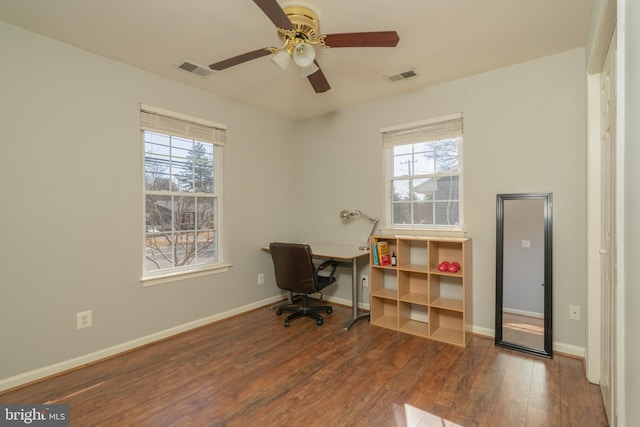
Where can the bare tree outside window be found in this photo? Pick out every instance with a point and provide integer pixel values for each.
(180, 202)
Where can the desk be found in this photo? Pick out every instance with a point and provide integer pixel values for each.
(343, 254)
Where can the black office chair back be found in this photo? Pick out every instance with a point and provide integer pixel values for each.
(293, 265)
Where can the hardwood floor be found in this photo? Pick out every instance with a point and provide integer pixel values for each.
(249, 370)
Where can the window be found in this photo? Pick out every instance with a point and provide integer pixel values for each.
(424, 174)
(182, 191)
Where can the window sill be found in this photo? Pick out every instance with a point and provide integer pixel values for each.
(175, 276)
(424, 231)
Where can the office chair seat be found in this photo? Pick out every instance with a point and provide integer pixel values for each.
(296, 273)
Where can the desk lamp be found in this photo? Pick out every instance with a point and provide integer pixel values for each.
(346, 215)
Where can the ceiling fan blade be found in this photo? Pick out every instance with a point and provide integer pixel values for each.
(319, 81)
(369, 39)
(240, 59)
(272, 9)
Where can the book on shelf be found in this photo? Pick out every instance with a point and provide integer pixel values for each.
(374, 254)
(384, 256)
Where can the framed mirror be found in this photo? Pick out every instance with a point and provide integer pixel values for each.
(524, 272)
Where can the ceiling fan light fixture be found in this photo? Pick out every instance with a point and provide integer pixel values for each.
(304, 54)
(281, 58)
(299, 30)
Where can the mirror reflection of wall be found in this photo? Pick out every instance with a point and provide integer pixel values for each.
(524, 256)
(523, 273)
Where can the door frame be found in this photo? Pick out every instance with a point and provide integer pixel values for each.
(605, 16)
(604, 22)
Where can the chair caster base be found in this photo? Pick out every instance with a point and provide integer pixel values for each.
(305, 310)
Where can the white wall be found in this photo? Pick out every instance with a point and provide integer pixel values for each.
(524, 131)
(70, 222)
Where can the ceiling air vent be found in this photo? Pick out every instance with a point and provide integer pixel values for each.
(401, 76)
(196, 69)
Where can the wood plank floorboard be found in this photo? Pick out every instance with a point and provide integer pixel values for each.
(249, 370)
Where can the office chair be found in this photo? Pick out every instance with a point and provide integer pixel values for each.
(296, 273)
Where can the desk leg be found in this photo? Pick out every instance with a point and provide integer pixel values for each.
(354, 297)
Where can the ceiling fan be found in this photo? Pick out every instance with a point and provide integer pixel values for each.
(298, 28)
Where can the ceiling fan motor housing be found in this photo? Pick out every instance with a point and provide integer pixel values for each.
(306, 27)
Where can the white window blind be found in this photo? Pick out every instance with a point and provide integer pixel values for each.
(442, 128)
(154, 120)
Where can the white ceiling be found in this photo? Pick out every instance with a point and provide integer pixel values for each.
(441, 40)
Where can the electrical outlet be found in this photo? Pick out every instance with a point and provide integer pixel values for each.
(260, 278)
(365, 280)
(83, 319)
(574, 312)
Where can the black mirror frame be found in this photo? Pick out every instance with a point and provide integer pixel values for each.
(548, 272)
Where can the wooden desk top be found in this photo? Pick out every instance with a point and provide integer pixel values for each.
(338, 252)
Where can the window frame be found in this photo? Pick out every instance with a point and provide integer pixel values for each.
(388, 147)
(217, 140)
